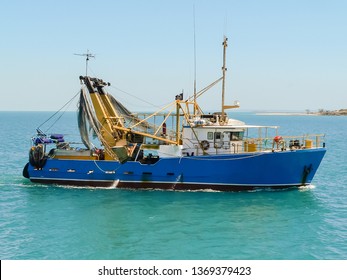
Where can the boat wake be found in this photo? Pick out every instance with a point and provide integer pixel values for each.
(306, 188)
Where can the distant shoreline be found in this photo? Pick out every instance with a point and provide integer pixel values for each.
(321, 112)
(285, 114)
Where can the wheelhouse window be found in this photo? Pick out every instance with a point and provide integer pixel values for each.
(235, 135)
(210, 135)
(217, 135)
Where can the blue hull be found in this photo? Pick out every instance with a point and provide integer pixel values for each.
(233, 172)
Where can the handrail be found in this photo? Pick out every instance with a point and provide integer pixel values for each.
(306, 141)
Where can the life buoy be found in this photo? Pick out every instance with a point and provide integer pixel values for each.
(205, 145)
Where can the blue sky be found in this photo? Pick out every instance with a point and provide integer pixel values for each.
(282, 55)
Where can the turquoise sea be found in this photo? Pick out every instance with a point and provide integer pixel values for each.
(53, 222)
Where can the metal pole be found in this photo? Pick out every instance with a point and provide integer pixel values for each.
(225, 44)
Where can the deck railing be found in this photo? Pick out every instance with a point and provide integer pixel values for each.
(307, 141)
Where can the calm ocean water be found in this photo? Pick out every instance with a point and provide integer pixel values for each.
(45, 222)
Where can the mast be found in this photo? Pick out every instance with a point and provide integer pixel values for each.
(224, 69)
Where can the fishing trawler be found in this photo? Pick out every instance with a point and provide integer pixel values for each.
(198, 151)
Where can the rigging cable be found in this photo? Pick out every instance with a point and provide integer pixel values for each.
(67, 103)
(134, 96)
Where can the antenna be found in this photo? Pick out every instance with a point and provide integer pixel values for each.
(87, 55)
(194, 61)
